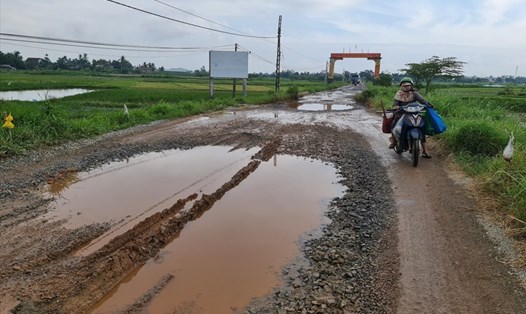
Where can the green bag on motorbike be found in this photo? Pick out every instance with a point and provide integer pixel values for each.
(428, 127)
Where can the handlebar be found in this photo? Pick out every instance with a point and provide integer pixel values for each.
(413, 107)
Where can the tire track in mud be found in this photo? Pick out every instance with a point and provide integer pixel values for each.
(144, 300)
(105, 268)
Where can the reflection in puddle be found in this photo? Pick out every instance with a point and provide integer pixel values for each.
(61, 182)
(321, 107)
(337, 100)
(123, 193)
(236, 250)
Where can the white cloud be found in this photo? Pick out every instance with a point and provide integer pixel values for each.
(494, 11)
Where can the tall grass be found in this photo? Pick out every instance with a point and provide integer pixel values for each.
(479, 126)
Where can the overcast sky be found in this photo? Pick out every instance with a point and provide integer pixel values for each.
(490, 35)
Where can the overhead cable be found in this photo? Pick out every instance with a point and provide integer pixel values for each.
(110, 48)
(98, 43)
(183, 22)
(195, 15)
(255, 55)
(171, 54)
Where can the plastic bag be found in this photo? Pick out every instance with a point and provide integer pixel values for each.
(437, 122)
(429, 129)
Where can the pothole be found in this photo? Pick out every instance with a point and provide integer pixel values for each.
(225, 256)
(321, 107)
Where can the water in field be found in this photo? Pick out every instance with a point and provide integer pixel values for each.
(41, 94)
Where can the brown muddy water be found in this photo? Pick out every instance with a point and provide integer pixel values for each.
(232, 253)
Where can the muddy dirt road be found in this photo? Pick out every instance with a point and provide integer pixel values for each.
(398, 239)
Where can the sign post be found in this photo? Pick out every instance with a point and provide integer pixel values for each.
(228, 64)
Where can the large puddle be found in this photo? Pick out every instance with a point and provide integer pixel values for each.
(337, 100)
(235, 251)
(40, 95)
(321, 107)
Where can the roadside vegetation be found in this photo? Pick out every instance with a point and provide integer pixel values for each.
(480, 120)
(148, 98)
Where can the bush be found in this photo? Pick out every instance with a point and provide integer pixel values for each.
(365, 96)
(160, 111)
(477, 138)
(293, 92)
(506, 91)
(384, 79)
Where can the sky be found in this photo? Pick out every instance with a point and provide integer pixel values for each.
(489, 35)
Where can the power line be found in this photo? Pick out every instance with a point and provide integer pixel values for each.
(173, 54)
(301, 54)
(305, 69)
(195, 15)
(110, 48)
(183, 22)
(256, 55)
(98, 43)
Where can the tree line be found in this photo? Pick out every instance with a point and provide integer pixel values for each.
(433, 69)
(81, 63)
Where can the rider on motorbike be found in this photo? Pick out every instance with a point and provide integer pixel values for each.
(407, 94)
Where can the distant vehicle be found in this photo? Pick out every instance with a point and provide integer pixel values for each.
(355, 79)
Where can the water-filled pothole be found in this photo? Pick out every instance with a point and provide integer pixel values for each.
(228, 255)
(321, 107)
(124, 193)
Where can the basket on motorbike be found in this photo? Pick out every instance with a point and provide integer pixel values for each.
(387, 121)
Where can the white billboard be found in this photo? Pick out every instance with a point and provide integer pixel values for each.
(228, 64)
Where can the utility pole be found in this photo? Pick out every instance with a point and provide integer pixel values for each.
(278, 57)
(326, 71)
(234, 80)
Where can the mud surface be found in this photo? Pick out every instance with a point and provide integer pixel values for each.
(400, 239)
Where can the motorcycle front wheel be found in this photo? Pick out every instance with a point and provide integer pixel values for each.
(397, 147)
(415, 148)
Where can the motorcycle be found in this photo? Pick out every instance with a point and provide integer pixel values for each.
(409, 130)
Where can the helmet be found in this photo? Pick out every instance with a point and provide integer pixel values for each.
(407, 80)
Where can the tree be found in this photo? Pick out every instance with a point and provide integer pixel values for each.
(63, 63)
(82, 62)
(122, 66)
(432, 68)
(46, 62)
(13, 59)
(384, 79)
(367, 75)
(201, 72)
